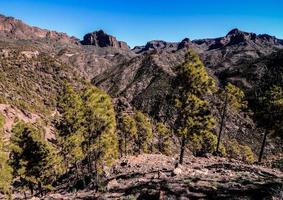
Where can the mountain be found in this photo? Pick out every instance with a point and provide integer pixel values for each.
(16, 29)
(142, 77)
(35, 63)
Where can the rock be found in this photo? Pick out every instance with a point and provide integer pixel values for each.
(101, 39)
(207, 155)
(185, 43)
(162, 175)
(16, 29)
(177, 171)
(112, 184)
(124, 163)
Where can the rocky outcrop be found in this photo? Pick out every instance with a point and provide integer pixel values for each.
(16, 29)
(156, 45)
(101, 39)
(241, 38)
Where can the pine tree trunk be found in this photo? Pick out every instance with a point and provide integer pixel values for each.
(182, 150)
(77, 169)
(25, 195)
(262, 146)
(222, 123)
(125, 145)
(40, 189)
(31, 188)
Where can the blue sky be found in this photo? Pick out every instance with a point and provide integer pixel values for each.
(137, 22)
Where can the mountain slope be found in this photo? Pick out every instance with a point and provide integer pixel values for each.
(141, 77)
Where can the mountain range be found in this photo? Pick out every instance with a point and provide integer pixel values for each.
(34, 63)
(141, 77)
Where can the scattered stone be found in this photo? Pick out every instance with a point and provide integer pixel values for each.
(124, 163)
(177, 171)
(112, 184)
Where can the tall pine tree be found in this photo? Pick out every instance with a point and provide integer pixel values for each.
(71, 125)
(164, 139)
(145, 135)
(271, 114)
(234, 98)
(195, 121)
(33, 159)
(101, 140)
(128, 134)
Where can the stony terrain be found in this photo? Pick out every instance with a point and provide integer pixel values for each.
(153, 176)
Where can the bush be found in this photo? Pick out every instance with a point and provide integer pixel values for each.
(240, 152)
(206, 143)
(247, 154)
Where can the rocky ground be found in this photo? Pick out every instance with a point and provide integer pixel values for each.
(155, 177)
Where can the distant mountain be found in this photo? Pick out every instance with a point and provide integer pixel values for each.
(101, 39)
(16, 29)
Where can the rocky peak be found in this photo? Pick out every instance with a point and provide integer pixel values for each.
(102, 39)
(234, 31)
(238, 37)
(185, 43)
(16, 29)
(156, 45)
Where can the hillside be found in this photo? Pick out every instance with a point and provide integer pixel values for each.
(50, 81)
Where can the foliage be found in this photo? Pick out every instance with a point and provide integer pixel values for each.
(164, 136)
(128, 135)
(235, 97)
(100, 123)
(247, 154)
(269, 113)
(33, 159)
(70, 126)
(195, 121)
(145, 134)
(205, 143)
(274, 106)
(238, 151)
(32, 83)
(5, 169)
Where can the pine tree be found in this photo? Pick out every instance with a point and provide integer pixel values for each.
(164, 135)
(271, 114)
(128, 135)
(33, 160)
(5, 169)
(195, 121)
(234, 98)
(101, 141)
(145, 135)
(70, 126)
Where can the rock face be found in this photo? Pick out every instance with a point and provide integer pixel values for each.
(15, 29)
(155, 45)
(101, 39)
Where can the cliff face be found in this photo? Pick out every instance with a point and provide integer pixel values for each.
(101, 39)
(16, 29)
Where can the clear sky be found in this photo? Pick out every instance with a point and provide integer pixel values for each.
(139, 21)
